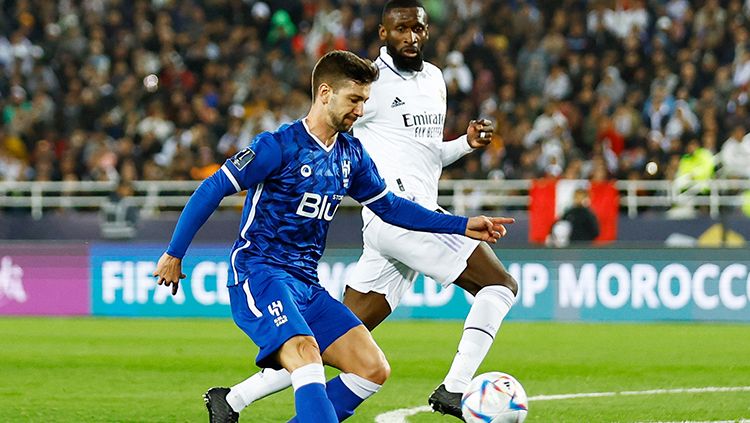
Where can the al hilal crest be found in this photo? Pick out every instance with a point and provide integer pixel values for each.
(346, 168)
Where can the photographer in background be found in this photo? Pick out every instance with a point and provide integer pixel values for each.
(577, 225)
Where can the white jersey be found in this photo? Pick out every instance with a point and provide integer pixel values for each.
(402, 130)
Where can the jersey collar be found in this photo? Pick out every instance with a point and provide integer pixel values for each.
(317, 140)
(386, 59)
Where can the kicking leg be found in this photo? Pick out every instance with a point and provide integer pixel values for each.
(301, 357)
(363, 366)
(348, 346)
(257, 386)
(494, 293)
(372, 308)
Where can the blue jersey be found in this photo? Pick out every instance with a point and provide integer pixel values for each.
(294, 185)
(286, 216)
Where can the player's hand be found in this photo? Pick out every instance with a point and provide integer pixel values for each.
(479, 133)
(488, 229)
(169, 272)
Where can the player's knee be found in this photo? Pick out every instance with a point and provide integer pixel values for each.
(308, 349)
(380, 372)
(500, 278)
(509, 282)
(299, 351)
(375, 368)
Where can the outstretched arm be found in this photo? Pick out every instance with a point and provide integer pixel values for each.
(409, 215)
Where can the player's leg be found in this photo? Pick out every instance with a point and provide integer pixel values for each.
(474, 267)
(377, 283)
(494, 291)
(348, 346)
(373, 290)
(266, 309)
(364, 369)
(300, 356)
(257, 386)
(371, 307)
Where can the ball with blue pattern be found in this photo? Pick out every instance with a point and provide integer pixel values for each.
(494, 397)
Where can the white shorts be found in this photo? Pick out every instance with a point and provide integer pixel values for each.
(393, 257)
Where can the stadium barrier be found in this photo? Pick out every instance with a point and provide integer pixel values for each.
(461, 195)
(566, 284)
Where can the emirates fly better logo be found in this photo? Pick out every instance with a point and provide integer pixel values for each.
(11, 283)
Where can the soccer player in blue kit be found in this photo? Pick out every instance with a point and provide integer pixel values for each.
(296, 177)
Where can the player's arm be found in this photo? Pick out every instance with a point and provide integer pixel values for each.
(478, 135)
(369, 189)
(409, 215)
(245, 169)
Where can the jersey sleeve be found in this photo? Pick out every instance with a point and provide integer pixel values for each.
(366, 185)
(410, 215)
(253, 164)
(450, 151)
(199, 207)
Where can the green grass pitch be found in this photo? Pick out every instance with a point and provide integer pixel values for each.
(155, 370)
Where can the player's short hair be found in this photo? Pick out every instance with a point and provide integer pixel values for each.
(399, 4)
(339, 66)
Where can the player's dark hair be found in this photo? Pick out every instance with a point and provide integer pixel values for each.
(399, 4)
(339, 66)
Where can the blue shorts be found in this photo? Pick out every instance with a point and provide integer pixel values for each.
(272, 306)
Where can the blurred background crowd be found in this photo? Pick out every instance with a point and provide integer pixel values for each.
(167, 89)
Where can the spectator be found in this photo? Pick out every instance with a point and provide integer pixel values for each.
(457, 72)
(557, 86)
(151, 75)
(696, 166)
(577, 225)
(735, 154)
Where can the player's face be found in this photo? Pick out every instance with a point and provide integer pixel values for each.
(346, 105)
(405, 31)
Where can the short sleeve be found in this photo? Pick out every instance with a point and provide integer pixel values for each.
(254, 163)
(367, 185)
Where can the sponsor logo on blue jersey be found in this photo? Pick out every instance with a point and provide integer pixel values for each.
(316, 206)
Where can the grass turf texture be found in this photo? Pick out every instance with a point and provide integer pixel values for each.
(152, 370)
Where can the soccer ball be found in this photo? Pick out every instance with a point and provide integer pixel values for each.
(494, 397)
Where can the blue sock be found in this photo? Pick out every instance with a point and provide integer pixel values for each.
(313, 405)
(343, 399)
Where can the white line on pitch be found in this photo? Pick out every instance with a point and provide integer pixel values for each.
(400, 415)
(708, 421)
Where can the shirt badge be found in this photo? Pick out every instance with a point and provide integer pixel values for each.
(346, 168)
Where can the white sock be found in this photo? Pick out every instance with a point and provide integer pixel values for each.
(360, 386)
(307, 374)
(257, 386)
(491, 304)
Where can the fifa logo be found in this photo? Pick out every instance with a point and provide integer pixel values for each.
(346, 169)
(276, 308)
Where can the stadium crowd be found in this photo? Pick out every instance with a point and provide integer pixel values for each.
(166, 89)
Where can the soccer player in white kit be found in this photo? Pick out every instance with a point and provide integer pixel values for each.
(402, 130)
